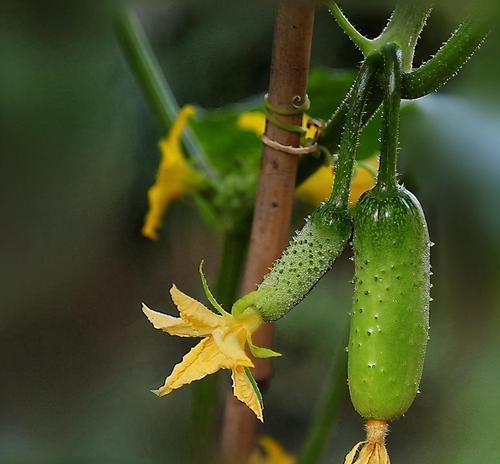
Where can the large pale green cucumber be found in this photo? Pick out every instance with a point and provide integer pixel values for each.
(390, 313)
(311, 253)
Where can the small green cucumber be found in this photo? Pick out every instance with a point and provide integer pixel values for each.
(310, 254)
(390, 313)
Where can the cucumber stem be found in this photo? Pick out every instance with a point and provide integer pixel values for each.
(362, 42)
(390, 121)
(420, 81)
(404, 28)
(352, 131)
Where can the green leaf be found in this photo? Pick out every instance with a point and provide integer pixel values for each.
(327, 89)
(261, 352)
(254, 386)
(209, 294)
(228, 147)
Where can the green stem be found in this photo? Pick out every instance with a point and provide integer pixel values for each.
(448, 60)
(390, 121)
(327, 411)
(419, 82)
(147, 70)
(404, 28)
(363, 43)
(204, 399)
(352, 130)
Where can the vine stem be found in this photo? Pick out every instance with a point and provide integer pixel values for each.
(390, 121)
(154, 84)
(352, 131)
(328, 408)
(274, 201)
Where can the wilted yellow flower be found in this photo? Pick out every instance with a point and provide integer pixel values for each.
(223, 346)
(175, 177)
(318, 187)
(274, 453)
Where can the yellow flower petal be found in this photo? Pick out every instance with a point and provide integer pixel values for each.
(274, 453)
(172, 325)
(364, 179)
(175, 177)
(318, 187)
(312, 130)
(253, 121)
(231, 342)
(222, 348)
(194, 312)
(205, 358)
(244, 391)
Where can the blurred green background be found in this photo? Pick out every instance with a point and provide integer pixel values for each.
(78, 152)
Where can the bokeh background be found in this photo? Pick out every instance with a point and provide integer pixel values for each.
(78, 152)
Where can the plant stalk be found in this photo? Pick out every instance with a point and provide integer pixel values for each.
(327, 410)
(273, 207)
(153, 83)
(352, 130)
(404, 28)
(390, 121)
(420, 81)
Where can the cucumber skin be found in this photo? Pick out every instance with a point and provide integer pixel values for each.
(310, 254)
(390, 313)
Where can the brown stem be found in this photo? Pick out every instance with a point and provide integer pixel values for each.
(274, 201)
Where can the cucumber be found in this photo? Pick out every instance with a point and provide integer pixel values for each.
(390, 312)
(310, 254)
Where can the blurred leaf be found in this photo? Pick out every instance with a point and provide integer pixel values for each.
(235, 154)
(327, 89)
(228, 147)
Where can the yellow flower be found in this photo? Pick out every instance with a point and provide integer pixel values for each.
(253, 121)
(222, 347)
(175, 177)
(274, 453)
(318, 187)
